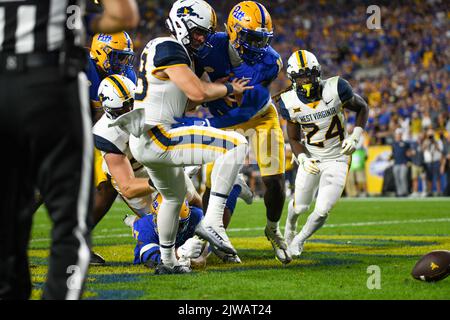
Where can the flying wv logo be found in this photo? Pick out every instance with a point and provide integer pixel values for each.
(187, 11)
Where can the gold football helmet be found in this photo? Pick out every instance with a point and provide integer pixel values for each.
(185, 212)
(250, 29)
(113, 53)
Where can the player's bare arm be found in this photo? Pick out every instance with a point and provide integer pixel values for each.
(199, 91)
(118, 15)
(120, 168)
(358, 105)
(294, 132)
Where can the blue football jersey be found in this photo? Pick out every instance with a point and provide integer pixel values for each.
(215, 61)
(145, 232)
(95, 77)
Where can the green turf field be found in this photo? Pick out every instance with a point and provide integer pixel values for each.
(389, 233)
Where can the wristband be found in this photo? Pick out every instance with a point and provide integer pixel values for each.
(230, 88)
(357, 132)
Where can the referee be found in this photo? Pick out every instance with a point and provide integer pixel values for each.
(45, 129)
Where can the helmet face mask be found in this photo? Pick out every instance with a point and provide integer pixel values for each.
(114, 113)
(254, 43)
(307, 82)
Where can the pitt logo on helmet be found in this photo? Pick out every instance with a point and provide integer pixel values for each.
(250, 29)
(113, 53)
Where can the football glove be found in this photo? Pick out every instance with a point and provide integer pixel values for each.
(349, 144)
(190, 121)
(308, 164)
(192, 248)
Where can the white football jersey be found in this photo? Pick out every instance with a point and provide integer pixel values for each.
(115, 140)
(323, 122)
(160, 97)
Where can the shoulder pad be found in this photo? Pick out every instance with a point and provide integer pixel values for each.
(170, 52)
(271, 56)
(288, 100)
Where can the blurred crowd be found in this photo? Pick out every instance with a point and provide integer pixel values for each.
(401, 69)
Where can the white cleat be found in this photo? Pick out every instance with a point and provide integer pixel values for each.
(225, 257)
(279, 245)
(296, 247)
(246, 193)
(216, 236)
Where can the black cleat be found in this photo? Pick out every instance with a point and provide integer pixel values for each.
(163, 269)
(220, 241)
(96, 259)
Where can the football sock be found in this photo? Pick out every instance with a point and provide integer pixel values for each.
(292, 216)
(168, 220)
(223, 176)
(314, 223)
(273, 225)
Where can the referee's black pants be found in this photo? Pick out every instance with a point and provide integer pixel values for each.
(45, 129)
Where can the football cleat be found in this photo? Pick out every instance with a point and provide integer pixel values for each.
(96, 259)
(279, 245)
(246, 193)
(163, 269)
(296, 247)
(216, 236)
(225, 257)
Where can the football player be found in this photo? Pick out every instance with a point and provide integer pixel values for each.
(129, 177)
(244, 51)
(109, 54)
(145, 231)
(315, 107)
(167, 85)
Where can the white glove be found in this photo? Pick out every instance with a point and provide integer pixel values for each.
(349, 144)
(192, 248)
(308, 164)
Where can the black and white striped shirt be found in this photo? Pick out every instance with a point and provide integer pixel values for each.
(28, 26)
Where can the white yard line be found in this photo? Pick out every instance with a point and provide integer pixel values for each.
(337, 225)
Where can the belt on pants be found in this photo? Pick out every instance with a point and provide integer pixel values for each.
(14, 63)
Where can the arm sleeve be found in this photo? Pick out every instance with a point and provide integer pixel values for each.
(106, 146)
(345, 91)
(233, 117)
(170, 53)
(246, 110)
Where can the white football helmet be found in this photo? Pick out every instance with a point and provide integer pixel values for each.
(188, 15)
(303, 64)
(116, 94)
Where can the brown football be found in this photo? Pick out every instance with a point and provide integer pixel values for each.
(433, 266)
